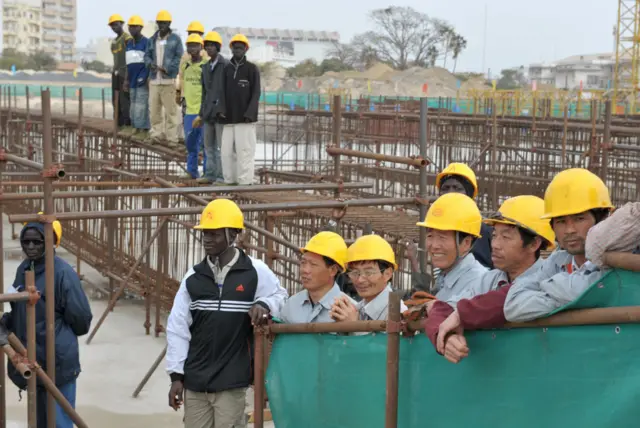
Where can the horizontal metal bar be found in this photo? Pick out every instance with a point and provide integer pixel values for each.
(161, 212)
(415, 162)
(185, 191)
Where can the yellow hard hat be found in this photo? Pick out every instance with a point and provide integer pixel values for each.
(461, 170)
(57, 229)
(163, 16)
(221, 214)
(239, 38)
(454, 211)
(526, 212)
(136, 20)
(213, 36)
(371, 247)
(574, 191)
(194, 38)
(328, 244)
(196, 27)
(115, 18)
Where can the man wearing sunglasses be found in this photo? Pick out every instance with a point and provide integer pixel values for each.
(73, 319)
(519, 236)
(210, 327)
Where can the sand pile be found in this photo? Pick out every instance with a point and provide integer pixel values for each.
(380, 79)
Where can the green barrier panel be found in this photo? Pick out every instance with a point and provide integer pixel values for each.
(522, 378)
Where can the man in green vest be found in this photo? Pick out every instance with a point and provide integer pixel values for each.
(192, 89)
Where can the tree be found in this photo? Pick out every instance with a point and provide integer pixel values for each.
(345, 53)
(402, 37)
(333, 64)
(459, 44)
(41, 61)
(97, 66)
(512, 78)
(36, 61)
(307, 68)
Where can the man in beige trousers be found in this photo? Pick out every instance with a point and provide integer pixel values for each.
(163, 59)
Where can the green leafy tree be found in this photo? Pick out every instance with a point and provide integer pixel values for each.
(97, 66)
(307, 68)
(512, 78)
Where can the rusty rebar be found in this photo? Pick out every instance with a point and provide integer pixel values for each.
(30, 285)
(22, 296)
(18, 362)
(149, 373)
(258, 383)
(214, 190)
(47, 161)
(302, 205)
(415, 162)
(393, 358)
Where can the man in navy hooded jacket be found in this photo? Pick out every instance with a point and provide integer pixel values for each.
(72, 319)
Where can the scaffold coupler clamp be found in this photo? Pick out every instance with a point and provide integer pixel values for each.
(397, 327)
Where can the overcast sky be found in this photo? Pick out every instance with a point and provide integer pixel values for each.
(518, 32)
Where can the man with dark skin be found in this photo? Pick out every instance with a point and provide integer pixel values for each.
(73, 319)
(119, 77)
(242, 93)
(138, 77)
(228, 292)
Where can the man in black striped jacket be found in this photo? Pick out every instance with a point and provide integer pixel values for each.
(210, 328)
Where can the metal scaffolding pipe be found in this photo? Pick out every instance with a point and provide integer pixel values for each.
(415, 162)
(185, 191)
(303, 205)
(17, 361)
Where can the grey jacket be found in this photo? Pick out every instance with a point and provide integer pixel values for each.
(460, 281)
(552, 287)
(213, 94)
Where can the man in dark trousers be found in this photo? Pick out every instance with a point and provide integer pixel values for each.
(212, 108)
(242, 93)
(72, 319)
(119, 78)
(210, 328)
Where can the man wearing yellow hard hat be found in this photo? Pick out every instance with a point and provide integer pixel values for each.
(212, 108)
(370, 266)
(519, 236)
(323, 258)
(195, 27)
(210, 327)
(163, 59)
(119, 78)
(73, 319)
(575, 200)
(192, 87)
(242, 95)
(138, 74)
(453, 226)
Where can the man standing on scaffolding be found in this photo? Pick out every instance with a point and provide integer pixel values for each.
(73, 319)
(210, 328)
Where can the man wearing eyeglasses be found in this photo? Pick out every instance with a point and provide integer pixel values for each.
(73, 319)
(370, 266)
(519, 236)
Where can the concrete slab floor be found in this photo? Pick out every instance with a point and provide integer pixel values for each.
(112, 366)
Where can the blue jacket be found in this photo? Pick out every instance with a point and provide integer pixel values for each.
(72, 317)
(173, 51)
(138, 70)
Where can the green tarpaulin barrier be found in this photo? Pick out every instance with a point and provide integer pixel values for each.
(564, 377)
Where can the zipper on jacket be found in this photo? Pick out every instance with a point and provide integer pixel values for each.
(220, 287)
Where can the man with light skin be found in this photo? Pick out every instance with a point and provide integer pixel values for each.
(370, 265)
(575, 201)
(323, 258)
(519, 236)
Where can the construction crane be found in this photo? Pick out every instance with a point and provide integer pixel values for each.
(625, 78)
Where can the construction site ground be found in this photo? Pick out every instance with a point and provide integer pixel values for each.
(112, 366)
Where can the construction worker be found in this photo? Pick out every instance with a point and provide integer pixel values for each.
(119, 78)
(575, 200)
(210, 327)
(138, 74)
(323, 258)
(195, 27)
(370, 266)
(455, 178)
(73, 319)
(609, 242)
(163, 59)
(453, 225)
(242, 95)
(192, 87)
(519, 236)
(212, 108)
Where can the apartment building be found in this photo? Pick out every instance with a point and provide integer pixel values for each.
(47, 25)
(21, 25)
(59, 29)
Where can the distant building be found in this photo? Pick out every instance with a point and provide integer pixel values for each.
(286, 47)
(593, 71)
(48, 25)
(21, 25)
